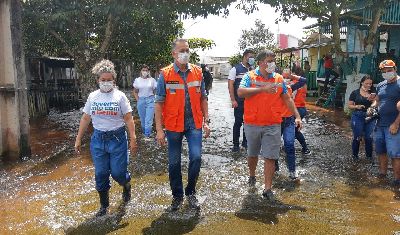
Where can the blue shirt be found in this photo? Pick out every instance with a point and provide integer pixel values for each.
(240, 71)
(301, 82)
(389, 95)
(161, 92)
(246, 81)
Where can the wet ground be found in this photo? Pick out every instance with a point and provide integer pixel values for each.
(53, 192)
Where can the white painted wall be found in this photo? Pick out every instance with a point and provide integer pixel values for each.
(292, 41)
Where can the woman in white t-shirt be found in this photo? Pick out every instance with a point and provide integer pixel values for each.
(110, 111)
(143, 91)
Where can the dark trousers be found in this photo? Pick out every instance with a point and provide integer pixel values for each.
(299, 136)
(238, 112)
(328, 73)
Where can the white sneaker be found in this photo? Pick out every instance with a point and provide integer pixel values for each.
(292, 175)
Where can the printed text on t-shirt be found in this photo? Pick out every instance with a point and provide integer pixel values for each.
(105, 108)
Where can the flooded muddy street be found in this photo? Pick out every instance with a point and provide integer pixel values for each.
(54, 193)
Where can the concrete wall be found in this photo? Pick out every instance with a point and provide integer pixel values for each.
(14, 117)
(220, 70)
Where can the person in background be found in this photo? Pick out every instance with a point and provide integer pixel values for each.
(234, 79)
(329, 71)
(359, 102)
(307, 67)
(182, 107)
(143, 91)
(265, 92)
(110, 112)
(386, 134)
(293, 83)
(299, 97)
(207, 77)
(293, 68)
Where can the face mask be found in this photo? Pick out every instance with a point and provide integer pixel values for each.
(106, 86)
(183, 57)
(251, 61)
(389, 75)
(270, 67)
(286, 80)
(145, 74)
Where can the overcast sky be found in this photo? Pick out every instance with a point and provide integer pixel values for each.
(226, 31)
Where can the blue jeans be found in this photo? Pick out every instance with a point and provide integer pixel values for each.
(361, 129)
(299, 136)
(109, 152)
(145, 108)
(386, 142)
(194, 139)
(288, 126)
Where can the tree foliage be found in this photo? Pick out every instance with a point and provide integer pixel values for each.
(258, 37)
(88, 30)
(378, 8)
(324, 10)
(197, 44)
(235, 59)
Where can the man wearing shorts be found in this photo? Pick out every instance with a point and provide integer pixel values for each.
(387, 135)
(265, 93)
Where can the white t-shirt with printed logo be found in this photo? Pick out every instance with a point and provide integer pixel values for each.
(145, 86)
(107, 110)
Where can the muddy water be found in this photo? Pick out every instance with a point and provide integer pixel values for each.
(53, 193)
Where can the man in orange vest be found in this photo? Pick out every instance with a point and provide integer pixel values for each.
(181, 106)
(264, 92)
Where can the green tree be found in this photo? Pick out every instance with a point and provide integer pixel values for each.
(235, 59)
(88, 30)
(197, 44)
(378, 9)
(258, 37)
(324, 10)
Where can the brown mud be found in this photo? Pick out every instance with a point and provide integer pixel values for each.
(53, 192)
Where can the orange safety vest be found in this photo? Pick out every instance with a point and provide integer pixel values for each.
(174, 104)
(300, 97)
(286, 111)
(263, 109)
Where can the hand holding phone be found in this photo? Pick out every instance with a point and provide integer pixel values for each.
(371, 96)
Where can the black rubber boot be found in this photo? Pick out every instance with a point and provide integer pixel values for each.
(126, 192)
(104, 203)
